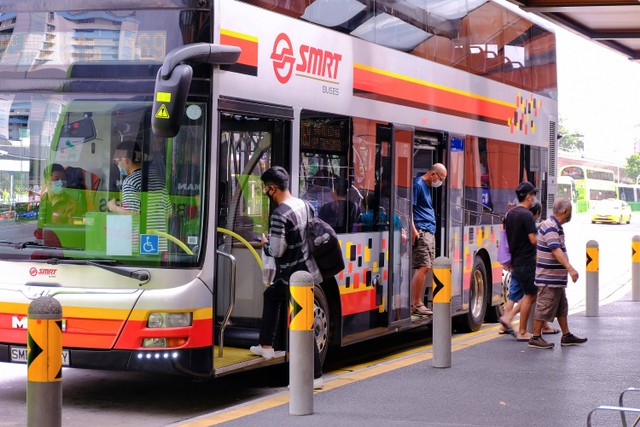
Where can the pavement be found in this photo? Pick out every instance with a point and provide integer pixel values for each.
(493, 381)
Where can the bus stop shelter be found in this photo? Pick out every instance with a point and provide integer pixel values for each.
(611, 23)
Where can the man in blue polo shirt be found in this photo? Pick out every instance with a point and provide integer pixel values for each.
(423, 234)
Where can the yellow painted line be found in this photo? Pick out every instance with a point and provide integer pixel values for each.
(349, 375)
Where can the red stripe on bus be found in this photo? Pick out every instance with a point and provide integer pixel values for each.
(91, 333)
(369, 81)
(358, 302)
(199, 334)
(249, 55)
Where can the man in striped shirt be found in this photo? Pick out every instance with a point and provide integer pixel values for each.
(155, 200)
(552, 268)
(287, 243)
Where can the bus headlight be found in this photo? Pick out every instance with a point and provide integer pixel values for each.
(154, 342)
(156, 320)
(178, 320)
(169, 320)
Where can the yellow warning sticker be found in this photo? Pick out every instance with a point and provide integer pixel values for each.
(301, 308)
(163, 96)
(593, 263)
(635, 251)
(162, 112)
(442, 285)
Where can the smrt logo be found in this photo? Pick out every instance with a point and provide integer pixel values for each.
(42, 271)
(311, 61)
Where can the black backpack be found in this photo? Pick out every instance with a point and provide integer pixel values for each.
(324, 245)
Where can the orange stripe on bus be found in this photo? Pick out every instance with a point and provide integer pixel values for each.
(424, 93)
(249, 46)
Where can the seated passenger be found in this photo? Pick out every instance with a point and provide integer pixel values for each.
(340, 213)
(57, 206)
(320, 189)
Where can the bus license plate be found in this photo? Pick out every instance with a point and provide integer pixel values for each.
(19, 354)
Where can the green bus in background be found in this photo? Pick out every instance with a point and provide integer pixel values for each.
(630, 193)
(591, 184)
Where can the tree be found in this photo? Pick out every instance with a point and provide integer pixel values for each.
(632, 170)
(571, 140)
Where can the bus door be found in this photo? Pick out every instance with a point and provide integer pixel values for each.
(428, 148)
(252, 139)
(400, 232)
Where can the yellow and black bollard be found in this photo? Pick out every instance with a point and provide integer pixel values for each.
(442, 313)
(44, 363)
(635, 268)
(301, 336)
(592, 291)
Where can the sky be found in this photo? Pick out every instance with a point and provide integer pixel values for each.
(599, 96)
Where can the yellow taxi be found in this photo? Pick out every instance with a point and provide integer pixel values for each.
(610, 210)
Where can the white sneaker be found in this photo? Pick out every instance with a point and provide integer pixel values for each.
(267, 353)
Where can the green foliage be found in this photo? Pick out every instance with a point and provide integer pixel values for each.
(632, 170)
(571, 140)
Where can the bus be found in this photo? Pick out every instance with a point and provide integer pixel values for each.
(567, 189)
(205, 96)
(630, 193)
(591, 183)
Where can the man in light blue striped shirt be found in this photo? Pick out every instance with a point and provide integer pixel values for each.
(552, 267)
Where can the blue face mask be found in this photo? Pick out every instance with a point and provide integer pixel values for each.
(57, 186)
(122, 171)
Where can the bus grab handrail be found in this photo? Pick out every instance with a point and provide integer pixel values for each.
(232, 301)
(244, 242)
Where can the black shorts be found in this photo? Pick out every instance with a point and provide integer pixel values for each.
(526, 276)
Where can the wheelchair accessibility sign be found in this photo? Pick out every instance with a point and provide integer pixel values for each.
(149, 244)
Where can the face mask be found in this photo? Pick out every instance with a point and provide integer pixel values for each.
(436, 184)
(122, 171)
(57, 187)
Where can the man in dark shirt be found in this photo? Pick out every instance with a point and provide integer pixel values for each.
(287, 243)
(521, 234)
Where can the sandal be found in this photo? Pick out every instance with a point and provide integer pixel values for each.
(507, 328)
(551, 331)
(421, 310)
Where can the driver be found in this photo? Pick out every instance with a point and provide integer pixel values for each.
(156, 205)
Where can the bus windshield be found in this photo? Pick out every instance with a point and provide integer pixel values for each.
(81, 174)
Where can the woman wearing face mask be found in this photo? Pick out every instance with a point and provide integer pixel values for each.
(62, 206)
(424, 230)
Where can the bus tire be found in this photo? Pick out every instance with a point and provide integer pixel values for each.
(321, 323)
(472, 320)
(494, 312)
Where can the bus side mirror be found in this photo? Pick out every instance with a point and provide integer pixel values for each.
(173, 81)
(169, 100)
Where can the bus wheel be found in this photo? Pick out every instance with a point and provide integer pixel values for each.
(494, 312)
(472, 320)
(321, 321)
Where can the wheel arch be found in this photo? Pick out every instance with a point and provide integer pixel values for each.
(330, 288)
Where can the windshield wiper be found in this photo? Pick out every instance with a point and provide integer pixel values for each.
(24, 245)
(139, 275)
